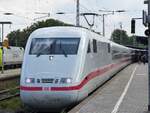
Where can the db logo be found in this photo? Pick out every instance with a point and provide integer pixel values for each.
(47, 89)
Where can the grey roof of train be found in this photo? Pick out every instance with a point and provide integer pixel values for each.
(74, 30)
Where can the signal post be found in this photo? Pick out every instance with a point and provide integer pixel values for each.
(146, 22)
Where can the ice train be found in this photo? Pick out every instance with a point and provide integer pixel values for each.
(62, 65)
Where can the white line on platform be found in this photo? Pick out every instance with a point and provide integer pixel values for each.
(140, 74)
(115, 110)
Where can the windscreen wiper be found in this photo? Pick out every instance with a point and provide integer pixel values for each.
(63, 51)
(38, 54)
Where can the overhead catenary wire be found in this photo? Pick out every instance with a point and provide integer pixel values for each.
(83, 7)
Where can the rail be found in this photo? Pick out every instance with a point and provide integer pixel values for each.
(9, 93)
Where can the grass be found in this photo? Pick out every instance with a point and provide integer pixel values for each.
(12, 104)
(9, 84)
(14, 91)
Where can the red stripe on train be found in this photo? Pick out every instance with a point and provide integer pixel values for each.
(89, 77)
(86, 80)
(31, 88)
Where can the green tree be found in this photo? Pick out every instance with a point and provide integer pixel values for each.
(131, 40)
(120, 36)
(19, 37)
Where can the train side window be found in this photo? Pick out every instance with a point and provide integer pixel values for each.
(94, 46)
(98, 46)
(109, 48)
(89, 48)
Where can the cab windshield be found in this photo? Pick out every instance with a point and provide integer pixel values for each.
(54, 46)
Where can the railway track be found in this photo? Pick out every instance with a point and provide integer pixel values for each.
(9, 79)
(9, 93)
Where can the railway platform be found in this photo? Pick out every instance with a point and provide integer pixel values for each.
(10, 73)
(127, 92)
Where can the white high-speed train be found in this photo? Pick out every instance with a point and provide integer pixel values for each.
(12, 56)
(62, 65)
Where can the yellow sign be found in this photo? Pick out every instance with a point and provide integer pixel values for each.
(5, 43)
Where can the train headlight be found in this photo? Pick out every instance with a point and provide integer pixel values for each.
(65, 80)
(30, 80)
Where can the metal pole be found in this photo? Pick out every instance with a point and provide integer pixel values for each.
(2, 49)
(78, 14)
(149, 69)
(121, 33)
(134, 39)
(149, 55)
(103, 24)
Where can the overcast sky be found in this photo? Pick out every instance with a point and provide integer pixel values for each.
(24, 13)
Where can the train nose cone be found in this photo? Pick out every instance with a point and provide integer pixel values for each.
(50, 101)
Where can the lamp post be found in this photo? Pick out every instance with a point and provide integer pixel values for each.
(3, 23)
(121, 33)
(108, 13)
(78, 14)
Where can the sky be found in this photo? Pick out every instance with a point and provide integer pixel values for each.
(25, 13)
